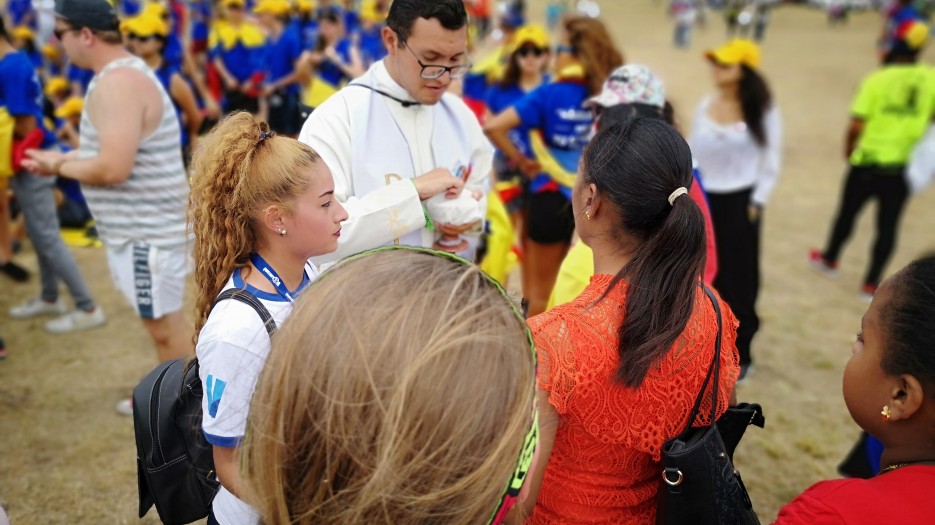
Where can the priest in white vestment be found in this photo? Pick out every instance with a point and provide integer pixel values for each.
(394, 138)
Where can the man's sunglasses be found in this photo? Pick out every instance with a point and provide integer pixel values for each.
(138, 38)
(531, 50)
(60, 32)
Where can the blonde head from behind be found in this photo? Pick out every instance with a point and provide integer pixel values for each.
(399, 391)
(236, 175)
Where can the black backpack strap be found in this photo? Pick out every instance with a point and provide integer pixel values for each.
(250, 300)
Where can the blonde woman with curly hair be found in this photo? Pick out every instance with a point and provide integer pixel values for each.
(261, 205)
(423, 413)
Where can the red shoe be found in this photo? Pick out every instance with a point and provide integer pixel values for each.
(821, 265)
(867, 291)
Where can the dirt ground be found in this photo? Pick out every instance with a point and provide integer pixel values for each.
(66, 457)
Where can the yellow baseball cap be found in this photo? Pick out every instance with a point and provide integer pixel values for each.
(737, 51)
(56, 85)
(531, 34)
(22, 33)
(305, 6)
(370, 12)
(51, 51)
(233, 3)
(70, 108)
(145, 25)
(155, 9)
(273, 7)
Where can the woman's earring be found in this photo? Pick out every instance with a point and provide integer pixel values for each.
(587, 213)
(282, 232)
(886, 414)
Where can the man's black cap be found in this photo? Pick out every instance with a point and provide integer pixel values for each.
(93, 14)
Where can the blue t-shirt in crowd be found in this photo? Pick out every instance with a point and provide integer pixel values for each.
(71, 188)
(372, 49)
(282, 55)
(474, 86)
(79, 75)
(308, 31)
(20, 91)
(36, 58)
(351, 22)
(164, 74)
(498, 98)
(200, 12)
(331, 73)
(241, 61)
(18, 10)
(557, 111)
(172, 52)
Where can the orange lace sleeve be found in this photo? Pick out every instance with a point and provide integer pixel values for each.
(555, 348)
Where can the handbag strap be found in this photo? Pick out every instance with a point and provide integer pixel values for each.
(714, 369)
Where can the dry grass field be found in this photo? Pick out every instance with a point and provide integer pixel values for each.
(66, 457)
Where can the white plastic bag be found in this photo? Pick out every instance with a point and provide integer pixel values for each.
(921, 169)
(464, 209)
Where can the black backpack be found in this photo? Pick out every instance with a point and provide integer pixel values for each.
(174, 461)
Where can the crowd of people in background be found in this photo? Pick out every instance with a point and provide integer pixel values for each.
(310, 153)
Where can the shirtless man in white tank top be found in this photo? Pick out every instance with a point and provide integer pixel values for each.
(130, 167)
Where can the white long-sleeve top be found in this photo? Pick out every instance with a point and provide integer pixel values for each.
(730, 158)
(384, 214)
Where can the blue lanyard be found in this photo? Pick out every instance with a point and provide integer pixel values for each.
(273, 277)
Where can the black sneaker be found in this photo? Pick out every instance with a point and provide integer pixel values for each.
(15, 272)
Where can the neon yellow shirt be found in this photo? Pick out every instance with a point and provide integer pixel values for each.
(897, 104)
(574, 275)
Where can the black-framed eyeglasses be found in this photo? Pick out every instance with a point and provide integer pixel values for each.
(433, 71)
(134, 36)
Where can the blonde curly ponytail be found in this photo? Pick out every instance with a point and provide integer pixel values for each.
(237, 172)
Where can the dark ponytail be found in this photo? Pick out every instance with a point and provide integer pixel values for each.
(755, 100)
(637, 165)
(908, 320)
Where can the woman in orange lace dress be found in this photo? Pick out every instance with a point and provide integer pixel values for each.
(621, 366)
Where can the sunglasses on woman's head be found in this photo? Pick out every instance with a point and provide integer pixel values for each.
(531, 50)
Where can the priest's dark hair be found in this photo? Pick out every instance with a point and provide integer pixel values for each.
(404, 13)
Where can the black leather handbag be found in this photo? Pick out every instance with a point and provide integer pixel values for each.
(699, 484)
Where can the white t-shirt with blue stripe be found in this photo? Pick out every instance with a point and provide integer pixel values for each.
(232, 349)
